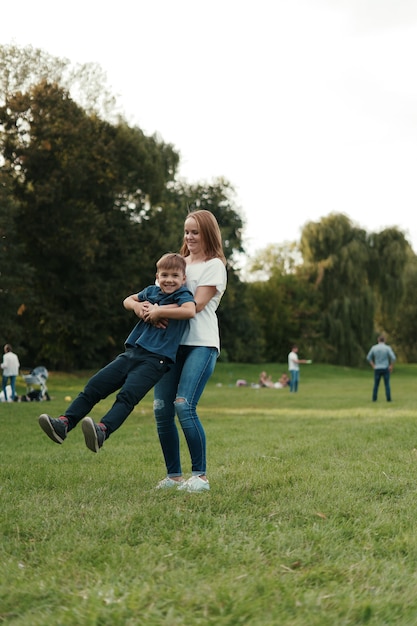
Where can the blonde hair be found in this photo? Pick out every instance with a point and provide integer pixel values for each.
(171, 261)
(210, 234)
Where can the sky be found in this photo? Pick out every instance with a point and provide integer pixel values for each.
(307, 107)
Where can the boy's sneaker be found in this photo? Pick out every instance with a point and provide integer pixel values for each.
(168, 483)
(193, 484)
(94, 435)
(56, 429)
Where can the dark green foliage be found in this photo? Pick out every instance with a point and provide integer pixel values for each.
(83, 186)
(405, 327)
(357, 276)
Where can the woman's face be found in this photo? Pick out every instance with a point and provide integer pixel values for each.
(192, 236)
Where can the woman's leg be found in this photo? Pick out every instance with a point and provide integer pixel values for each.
(165, 392)
(4, 380)
(199, 364)
(13, 386)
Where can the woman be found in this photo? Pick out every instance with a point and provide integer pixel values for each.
(180, 389)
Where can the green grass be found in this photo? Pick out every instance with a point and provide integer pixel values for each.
(310, 519)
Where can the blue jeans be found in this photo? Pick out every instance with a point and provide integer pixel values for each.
(378, 374)
(134, 372)
(295, 377)
(12, 385)
(178, 392)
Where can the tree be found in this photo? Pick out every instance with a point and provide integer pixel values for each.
(403, 328)
(360, 278)
(338, 253)
(23, 67)
(83, 187)
(15, 274)
(389, 254)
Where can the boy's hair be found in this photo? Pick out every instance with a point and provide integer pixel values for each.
(171, 261)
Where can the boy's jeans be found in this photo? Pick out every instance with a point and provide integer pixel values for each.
(133, 373)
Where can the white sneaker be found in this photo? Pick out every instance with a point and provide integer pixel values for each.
(195, 483)
(168, 483)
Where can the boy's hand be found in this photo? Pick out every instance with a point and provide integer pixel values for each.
(151, 314)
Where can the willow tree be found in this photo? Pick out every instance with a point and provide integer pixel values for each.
(338, 252)
(389, 253)
(360, 279)
(403, 327)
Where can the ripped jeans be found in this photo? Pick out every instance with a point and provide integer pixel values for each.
(178, 393)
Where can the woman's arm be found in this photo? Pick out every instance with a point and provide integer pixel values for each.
(203, 295)
(156, 314)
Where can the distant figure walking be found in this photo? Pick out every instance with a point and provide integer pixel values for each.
(381, 358)
(10, 367)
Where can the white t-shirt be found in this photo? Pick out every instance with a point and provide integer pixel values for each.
(203, 329)
(10, 365)
(292, 361)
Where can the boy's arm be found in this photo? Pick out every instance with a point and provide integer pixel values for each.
(132, 303)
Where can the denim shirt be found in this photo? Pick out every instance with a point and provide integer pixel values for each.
(381, 355)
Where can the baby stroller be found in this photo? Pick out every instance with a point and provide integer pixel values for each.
(38, 378)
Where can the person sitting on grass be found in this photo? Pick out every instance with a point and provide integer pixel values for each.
(150, 350)
(284, 381)
(265, 380)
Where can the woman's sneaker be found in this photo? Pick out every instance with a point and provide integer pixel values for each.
(94, 434)
(168, 483)
(56, 429)
(193, 484)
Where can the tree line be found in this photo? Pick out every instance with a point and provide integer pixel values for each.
(88, 203)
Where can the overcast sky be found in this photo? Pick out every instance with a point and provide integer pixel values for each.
(306, 106)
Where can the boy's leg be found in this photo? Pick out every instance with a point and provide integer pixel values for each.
(144, 371)
(105, 382)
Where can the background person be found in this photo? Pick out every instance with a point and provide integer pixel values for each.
(180, 390)
(10, 366)
(381, 358)
(284, 381)
(150, 352)
(294, 368)
(265, 380)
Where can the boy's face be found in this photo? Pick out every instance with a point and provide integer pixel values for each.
(170, 280)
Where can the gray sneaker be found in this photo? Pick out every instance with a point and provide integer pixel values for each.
(94, 435)
(194, 484)
(56, 429)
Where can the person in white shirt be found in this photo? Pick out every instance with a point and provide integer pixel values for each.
(294, 368)
(10, 366)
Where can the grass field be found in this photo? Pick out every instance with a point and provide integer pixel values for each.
(311, 517)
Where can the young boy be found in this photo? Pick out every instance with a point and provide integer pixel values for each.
(150, 350)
